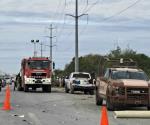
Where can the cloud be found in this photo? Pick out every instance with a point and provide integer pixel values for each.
(23, 20)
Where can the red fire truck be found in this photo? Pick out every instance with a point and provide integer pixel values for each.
(35, 73)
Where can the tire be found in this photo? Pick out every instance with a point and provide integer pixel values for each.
(44, 89)
(85, 92)
(49, 88)
(99, 101)
(66, 89)
(148, 107)
(0, 89)
(109, 105)
(19, 88)
(72, 90)
(91, 92)
(26, 89)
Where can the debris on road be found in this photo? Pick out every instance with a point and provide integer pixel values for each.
(132, 114)
(20, 116)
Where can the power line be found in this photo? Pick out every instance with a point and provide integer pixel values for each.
(56, 11)
(122, 11)
(64, 22)
(116, 14)
(91, 6)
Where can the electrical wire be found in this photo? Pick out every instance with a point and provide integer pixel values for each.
(91, 6)
(122, 11)
(56, 11)
(116, 14)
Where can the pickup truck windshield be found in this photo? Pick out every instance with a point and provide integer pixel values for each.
(81, 75)
(129, 75)
(38, 64)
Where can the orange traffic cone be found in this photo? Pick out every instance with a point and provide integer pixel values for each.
(104, 117)
(6, 105)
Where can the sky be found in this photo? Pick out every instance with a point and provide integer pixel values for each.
(109, 23)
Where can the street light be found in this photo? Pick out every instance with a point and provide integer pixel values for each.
(34, 42)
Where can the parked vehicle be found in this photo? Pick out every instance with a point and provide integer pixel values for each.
(3, 82)
(79, 81)
(35, 73)
(123, 85)
(8, 80)
(0, 84)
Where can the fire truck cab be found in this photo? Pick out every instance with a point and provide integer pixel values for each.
(35, 73)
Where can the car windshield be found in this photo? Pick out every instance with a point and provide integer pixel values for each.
(81, 75)
(38, 64)
(129, 75)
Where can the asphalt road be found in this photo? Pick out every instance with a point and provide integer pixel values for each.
(56, 108)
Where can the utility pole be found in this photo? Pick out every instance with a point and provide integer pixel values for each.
(41, 49)
(51, 28)
(76, 16)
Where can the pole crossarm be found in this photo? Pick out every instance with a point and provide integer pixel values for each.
(77, 16)
(82, 15)
(71, 15)
(50, 36)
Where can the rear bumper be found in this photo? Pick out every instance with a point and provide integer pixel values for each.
(83, 87)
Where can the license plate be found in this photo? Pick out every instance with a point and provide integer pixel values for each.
(137, 102)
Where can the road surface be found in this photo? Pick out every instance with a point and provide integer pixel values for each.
(56, 108)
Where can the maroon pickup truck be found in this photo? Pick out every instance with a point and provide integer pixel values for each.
(123, 86)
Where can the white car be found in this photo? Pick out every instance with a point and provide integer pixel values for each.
(8, 80)
(79, 81)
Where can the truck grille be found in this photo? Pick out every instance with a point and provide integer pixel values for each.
(137, 97)
(38, 75)
(137, 93)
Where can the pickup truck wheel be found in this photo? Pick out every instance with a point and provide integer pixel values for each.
(72, 90)
(66, 89)
(0, 89)
(99, 100)
(26, 89)
(148, 107)
(109, 105)
(91, 92)
(85, 92)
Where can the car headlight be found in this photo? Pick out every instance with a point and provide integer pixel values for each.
(29, 80)
(119, 91)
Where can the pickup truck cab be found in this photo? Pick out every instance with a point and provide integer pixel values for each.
(79, 81)
(123, 86)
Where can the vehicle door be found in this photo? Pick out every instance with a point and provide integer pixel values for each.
(104, 83)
